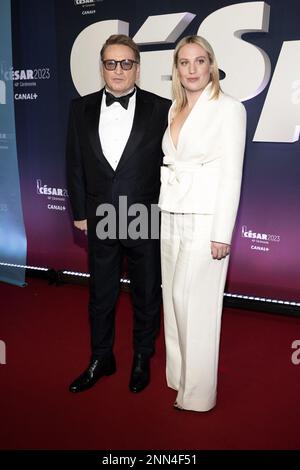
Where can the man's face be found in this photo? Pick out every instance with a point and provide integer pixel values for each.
(120, 81)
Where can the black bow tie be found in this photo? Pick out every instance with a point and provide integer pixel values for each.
(123, 100)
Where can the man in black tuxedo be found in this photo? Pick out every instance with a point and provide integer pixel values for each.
(114, 153)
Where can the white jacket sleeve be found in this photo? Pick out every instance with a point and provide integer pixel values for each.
(233, 135)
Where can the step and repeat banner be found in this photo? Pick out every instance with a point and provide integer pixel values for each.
(12, 231)
(56, 48)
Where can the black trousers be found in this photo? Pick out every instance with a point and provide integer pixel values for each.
(105, 260)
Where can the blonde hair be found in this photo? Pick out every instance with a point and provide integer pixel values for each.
(178, 91)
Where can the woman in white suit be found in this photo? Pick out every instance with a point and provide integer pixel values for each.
(200, 188)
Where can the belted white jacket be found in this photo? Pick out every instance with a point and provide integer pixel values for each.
(203, 174)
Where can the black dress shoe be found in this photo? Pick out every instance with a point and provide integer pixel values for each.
(140, 373)
(97, 369)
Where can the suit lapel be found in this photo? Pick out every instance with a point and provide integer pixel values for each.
(142, 116)
(93, 115)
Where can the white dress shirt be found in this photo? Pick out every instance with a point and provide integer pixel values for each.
(115, 125)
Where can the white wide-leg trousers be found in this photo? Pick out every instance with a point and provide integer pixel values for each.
(193, 286)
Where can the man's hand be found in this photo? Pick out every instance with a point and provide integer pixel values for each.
(81, 224)
(219, 250)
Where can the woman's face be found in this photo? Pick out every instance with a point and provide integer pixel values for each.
(193, 68)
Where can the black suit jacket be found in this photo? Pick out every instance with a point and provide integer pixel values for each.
(91, 180)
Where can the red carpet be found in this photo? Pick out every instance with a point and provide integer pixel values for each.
(45, 329)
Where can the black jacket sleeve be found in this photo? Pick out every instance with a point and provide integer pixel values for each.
(75, 173)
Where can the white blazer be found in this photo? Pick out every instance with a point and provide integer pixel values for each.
(203, 174)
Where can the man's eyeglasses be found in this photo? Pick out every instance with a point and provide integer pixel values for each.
(126, 64)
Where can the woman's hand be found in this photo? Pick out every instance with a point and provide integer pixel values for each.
(219, 250)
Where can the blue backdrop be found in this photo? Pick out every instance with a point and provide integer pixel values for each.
(12, 233)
